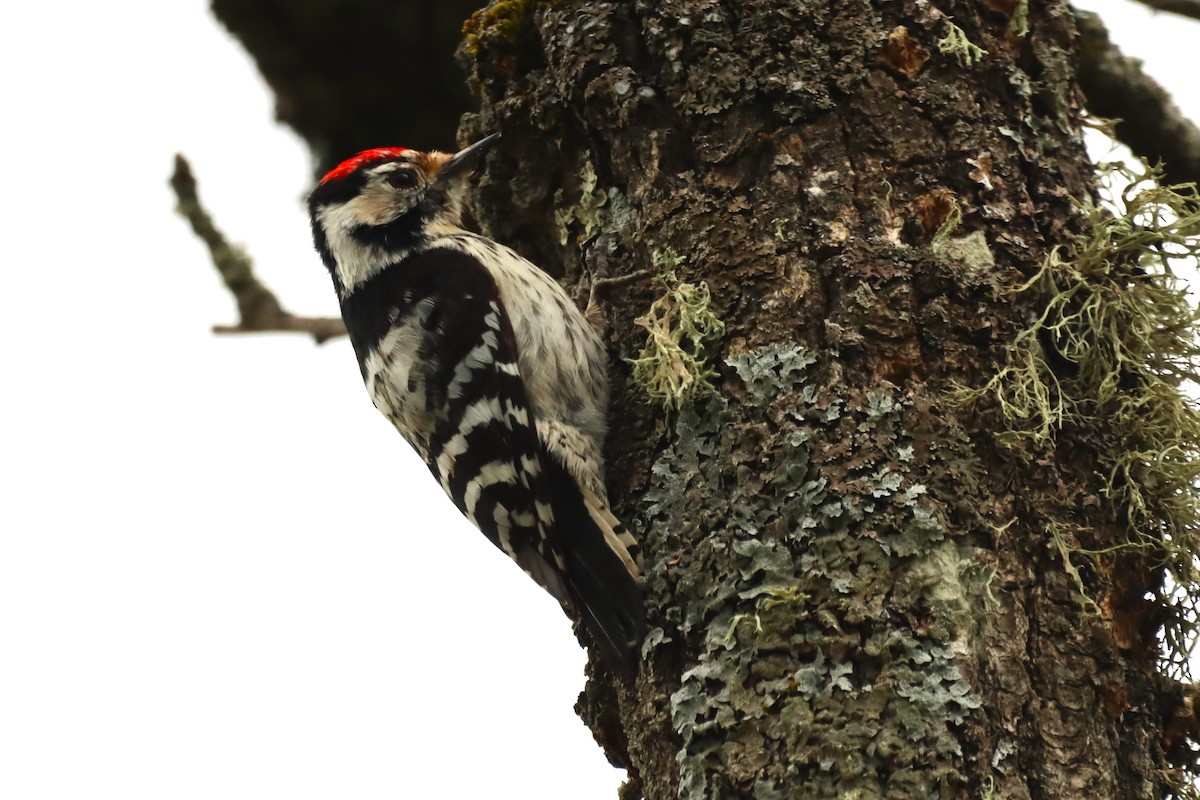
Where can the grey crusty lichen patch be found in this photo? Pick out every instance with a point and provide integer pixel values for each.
(970, 253)
(799, 651)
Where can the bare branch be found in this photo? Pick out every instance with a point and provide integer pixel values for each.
(259, 309)
(1149, 121)
(322, 329)
(1184, 8)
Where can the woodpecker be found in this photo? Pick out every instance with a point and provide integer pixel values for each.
(489, 370)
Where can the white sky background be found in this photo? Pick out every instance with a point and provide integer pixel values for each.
(222, 574)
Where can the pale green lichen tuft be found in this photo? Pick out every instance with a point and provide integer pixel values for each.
(949, 225)
(1018, 25)
(588, 214)
(738, 619)
(1122, 330)
(1064, 538)
(987, 789)
(780, 224)
(956, 43)
(672, 366)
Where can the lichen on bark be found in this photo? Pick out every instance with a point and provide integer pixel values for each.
(1111, 351)
(799, 666)
(851, 581)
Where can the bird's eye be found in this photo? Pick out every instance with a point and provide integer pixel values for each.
(402, 178)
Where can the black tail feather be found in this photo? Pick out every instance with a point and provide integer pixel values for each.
(605, 595)
(616, 621)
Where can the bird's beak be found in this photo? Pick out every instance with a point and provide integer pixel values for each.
(467, 159)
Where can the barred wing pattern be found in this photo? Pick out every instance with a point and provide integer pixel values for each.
(442, 365)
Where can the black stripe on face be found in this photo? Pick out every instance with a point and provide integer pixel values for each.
(400, 234)
(406, 230)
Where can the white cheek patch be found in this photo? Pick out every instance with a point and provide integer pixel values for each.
(337, 219)
(356, 263)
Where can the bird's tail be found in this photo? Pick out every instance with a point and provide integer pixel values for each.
(616, 535)
(602, 563)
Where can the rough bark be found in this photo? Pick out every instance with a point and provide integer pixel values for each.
(855, 590)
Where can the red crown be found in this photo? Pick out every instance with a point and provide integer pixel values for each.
(365, 157)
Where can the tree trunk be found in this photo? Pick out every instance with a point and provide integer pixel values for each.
(859, 583)
(855, 591)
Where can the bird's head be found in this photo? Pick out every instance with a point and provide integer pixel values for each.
(374, 206)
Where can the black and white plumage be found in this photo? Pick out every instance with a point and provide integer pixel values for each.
(489, 370)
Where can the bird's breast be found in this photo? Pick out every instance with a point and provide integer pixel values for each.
(398, 379)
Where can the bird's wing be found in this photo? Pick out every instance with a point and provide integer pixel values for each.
(468, 413)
